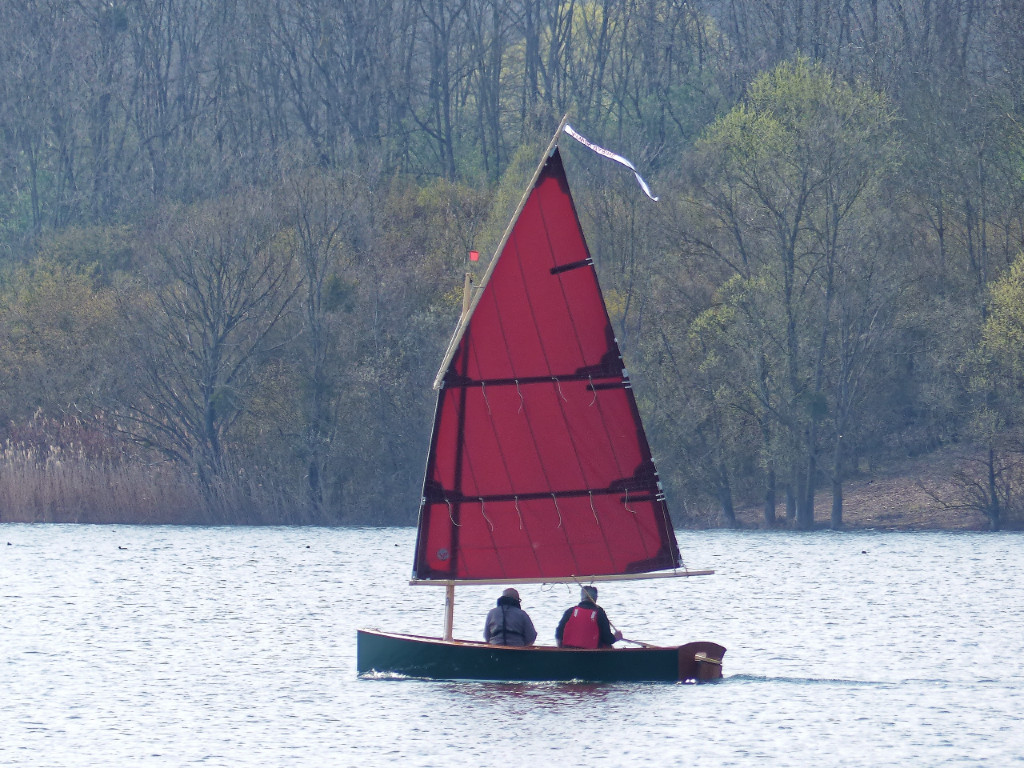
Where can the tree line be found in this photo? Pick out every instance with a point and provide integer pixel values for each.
(232, 238)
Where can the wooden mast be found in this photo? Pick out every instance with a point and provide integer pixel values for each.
(449, 592)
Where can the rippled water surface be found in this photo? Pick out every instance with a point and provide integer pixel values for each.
(154, 646)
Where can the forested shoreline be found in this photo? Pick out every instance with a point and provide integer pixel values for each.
(233, 238)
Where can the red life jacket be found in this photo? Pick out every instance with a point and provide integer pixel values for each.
(581, 631)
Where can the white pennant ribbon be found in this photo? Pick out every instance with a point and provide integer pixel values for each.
(611, 156)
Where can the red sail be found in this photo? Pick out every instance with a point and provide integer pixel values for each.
(539, 467)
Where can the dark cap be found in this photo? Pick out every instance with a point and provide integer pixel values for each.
(589, 593)
(511, 593)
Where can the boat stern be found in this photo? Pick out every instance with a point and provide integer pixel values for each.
(700, 661)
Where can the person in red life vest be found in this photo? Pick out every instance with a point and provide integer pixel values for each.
(508, 623)
(586, 625)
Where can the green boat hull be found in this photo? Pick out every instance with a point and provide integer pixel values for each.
(389, 653)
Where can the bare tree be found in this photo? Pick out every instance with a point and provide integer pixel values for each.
(327, 213)
(223, 284)
(791, 175)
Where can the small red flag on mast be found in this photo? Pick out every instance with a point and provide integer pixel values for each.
(474, 255)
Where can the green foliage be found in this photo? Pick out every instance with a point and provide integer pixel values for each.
(339, 294)
(15, 218)
(57, 349)
(792, 178)
(107, 249)
(807, 280)
(995, 369)
(1003, 332)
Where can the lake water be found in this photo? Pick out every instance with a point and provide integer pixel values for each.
(158, 646)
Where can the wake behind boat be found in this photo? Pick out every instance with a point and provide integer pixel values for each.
(539, 469)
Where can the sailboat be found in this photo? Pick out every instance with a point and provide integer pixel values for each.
(539, 470)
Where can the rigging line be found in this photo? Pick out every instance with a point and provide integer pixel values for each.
(555, 499)
(594, 510)
(558, 386)
(450, 512)
(484, 513)
(625, 504)
(592, 390)
(522, 403)
(519, 513)
(483, 391)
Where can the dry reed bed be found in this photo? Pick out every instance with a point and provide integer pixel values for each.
(54, 484)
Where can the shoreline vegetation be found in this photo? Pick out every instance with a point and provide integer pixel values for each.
(234, 241)
(56, 485)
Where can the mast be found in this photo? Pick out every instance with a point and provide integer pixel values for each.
(449, 609)
(449, 592)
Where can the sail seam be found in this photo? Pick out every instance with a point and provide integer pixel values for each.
(614, 381)
(645, 494)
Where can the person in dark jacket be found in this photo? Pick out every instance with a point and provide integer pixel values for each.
(508, 623)
(586, 625)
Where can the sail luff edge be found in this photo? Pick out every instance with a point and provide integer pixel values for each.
(464, 320)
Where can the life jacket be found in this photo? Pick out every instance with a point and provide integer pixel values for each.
(581, 631)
